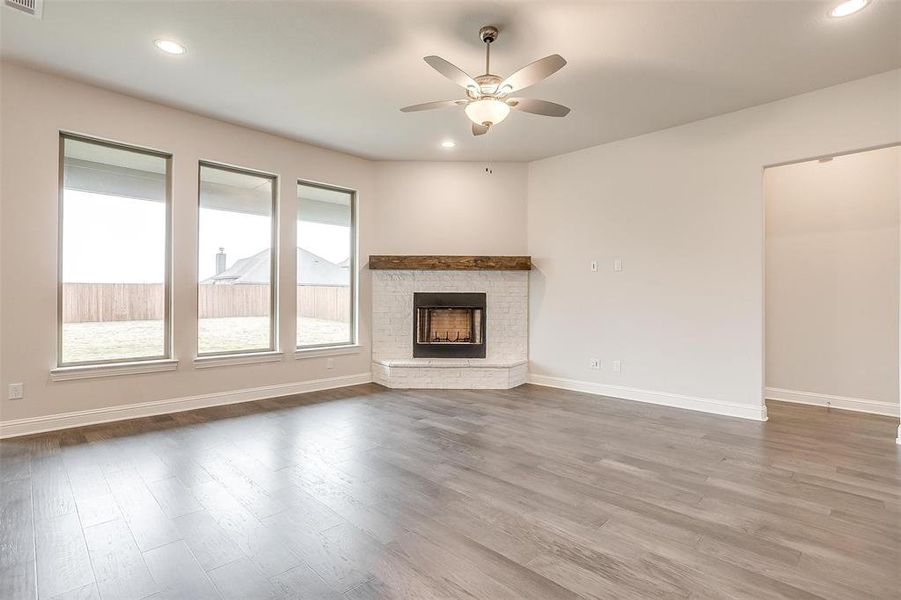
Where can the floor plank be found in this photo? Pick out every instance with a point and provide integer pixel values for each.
(118, 564)
(532, 494)
(16, 524)
(18, 581)
(210, 544)
(63, 564)
(146, 520)
(178, 573)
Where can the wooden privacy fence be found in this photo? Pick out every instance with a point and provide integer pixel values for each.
(331, 302)
(112, 302)
(84, 302)
(251, 300)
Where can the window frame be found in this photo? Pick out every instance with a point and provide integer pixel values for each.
(273, 263)
(167, 268)
(354, 309)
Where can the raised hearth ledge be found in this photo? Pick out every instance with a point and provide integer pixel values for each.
(449, 263)
(430, 373)
(450, 362)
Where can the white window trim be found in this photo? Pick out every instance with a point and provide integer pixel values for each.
(112, 369)
(246, 358)
(231, 358)
(353, 344)
(316, 351)
(116, 365)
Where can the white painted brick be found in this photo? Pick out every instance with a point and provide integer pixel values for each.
(507, 316)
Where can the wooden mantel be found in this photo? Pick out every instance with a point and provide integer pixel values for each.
(450, 263)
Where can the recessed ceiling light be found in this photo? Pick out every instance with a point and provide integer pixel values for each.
(848, 7)
(170, 47)
(448, 144)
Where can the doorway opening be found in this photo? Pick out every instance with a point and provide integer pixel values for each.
(832, 281)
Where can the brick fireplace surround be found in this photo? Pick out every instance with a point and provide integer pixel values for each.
(504, 280)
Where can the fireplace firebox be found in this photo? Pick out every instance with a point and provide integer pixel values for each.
(448, 325)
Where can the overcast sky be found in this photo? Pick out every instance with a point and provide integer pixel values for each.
(110, 239)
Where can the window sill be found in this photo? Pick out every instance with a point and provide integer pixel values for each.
(327, 351)
(227, 360)
(112, 369)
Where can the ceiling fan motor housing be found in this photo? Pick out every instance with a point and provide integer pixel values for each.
(488, 86)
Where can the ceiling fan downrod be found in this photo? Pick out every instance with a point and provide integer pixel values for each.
(488, 34)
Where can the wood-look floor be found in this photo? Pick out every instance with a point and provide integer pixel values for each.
(532, 493)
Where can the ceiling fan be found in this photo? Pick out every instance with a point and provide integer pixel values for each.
(488, 100)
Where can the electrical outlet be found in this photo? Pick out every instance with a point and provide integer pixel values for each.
(594, 266)
(16, 391)
(617, 264)
(330, 363)
(617, 366)
(594, 363)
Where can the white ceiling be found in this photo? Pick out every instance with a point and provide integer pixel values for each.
(336, 73)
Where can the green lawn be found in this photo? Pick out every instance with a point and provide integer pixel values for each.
(110, 340)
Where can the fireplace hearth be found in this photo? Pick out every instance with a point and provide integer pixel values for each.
(449, 325)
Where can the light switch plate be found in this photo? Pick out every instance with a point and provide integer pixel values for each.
(617, 264)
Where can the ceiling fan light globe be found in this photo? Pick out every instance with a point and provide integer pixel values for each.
(487, 112)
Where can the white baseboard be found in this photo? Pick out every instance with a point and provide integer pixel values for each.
(707, 405)
(93, 416)
(841, 402)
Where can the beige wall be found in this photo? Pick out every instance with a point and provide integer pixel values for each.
(832, 276)
(35, 106)
(683, 208)
(450, 208)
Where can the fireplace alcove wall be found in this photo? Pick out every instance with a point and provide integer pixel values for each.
(424, 306)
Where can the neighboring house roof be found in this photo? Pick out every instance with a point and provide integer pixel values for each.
(311, 270)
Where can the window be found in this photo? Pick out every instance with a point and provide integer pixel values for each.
(236, 268)
(326, 264)
(113, 253)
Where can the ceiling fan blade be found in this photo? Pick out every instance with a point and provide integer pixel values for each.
(452, 72)
(433, 105)
(479, 129)
(538, 107)
(532, 73)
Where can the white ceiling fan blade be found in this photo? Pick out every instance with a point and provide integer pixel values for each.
(479, 129)
(532, 73)
(452, 72)
(538, 107)
(433, 105)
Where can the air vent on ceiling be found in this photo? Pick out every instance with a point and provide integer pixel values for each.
(31, 7)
